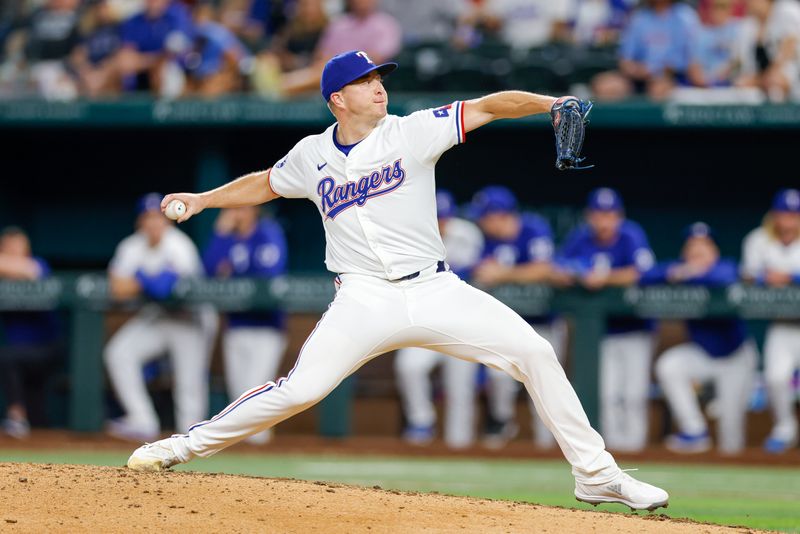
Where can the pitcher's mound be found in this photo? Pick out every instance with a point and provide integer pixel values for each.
(47, 498)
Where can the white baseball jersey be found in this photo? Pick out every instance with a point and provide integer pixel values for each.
(762, 251)
(378, 203)
(175, 252)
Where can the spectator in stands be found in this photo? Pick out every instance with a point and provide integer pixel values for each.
(294, 45)
(713, 53)
(43, 42)
(147, 265)
(245, 245)
(413, 365)
(718, 350)
(256, 22)
(364, 28)
(654, 52)
(424, 21)
(91, 59)
(599, 22)
(150, 42)
(770, 48)
(518, 250)
(612, 251)
(292, 49)
(523, 24)
(31, 338)
(771, 256)
(215, 59)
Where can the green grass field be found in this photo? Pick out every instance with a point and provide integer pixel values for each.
(760, 497)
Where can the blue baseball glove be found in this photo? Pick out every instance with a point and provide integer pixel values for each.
(569, 122)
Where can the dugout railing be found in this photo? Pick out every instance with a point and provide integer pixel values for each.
(86, 299)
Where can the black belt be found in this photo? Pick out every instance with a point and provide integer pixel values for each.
(440, 267)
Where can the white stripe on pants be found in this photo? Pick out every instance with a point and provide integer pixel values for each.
(624, 385)
(679, 368)
(413, 367)
(781, 358)
(142, 339)
(252, 356)
(370, 316)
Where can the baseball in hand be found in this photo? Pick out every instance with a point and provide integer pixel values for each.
(175, 209)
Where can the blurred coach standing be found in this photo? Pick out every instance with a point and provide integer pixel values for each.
(771, 256)
(612, 251)
(718, 349)
(413, 365)
(244, 245)
(148, 264)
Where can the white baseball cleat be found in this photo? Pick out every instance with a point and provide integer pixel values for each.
(157, 456)
(623, 489)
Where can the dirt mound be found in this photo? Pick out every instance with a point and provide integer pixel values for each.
(45, 497)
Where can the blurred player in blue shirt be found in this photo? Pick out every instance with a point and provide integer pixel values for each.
(718, 350)
(149, 39)
(653, 53)
(713, 52)
(414, 365)
(214, 61)
(31, 338)
(245, 245)
(518, 250)
(611, 251)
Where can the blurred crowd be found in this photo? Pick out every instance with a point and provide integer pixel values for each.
(698, 50)
(490, 241)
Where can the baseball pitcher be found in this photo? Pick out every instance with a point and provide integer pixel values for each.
(371, 177)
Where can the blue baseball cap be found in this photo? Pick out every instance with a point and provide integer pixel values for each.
(604, 199)
(493, 199)
(149, 202)
(445, 204)
(787, 200)
(698, 229)
(347, 67)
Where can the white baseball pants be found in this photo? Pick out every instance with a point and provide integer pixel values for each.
(438, 311)
(251, 356)
(624, 386)
(142, 339)
(503, 389)
(679, 368)
(781, 358)
(413, 366)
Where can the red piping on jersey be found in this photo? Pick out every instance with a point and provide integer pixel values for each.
(461, 120)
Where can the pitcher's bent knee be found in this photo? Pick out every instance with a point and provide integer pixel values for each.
(304, 397)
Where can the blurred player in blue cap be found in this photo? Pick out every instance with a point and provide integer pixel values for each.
(413, 365)
(718, 350)
(519, 249)
(771, 256)
(147, 265)
(246, 245)
(612, 251)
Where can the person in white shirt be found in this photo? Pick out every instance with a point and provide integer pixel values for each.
(371, 176)
(769, 48)
(147, 265)
(771, 257)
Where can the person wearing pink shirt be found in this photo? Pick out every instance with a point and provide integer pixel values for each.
(362, 27)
